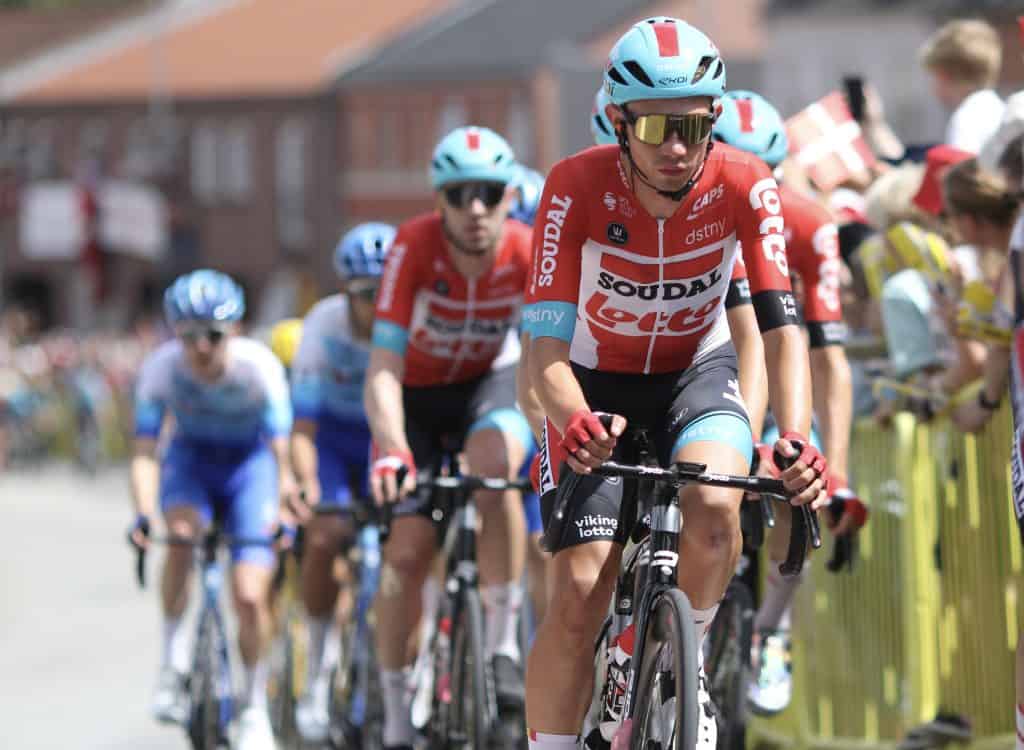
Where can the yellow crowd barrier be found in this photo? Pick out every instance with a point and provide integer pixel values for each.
(929, 618)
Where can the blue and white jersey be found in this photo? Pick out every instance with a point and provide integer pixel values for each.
(249, 402)
(330, 365)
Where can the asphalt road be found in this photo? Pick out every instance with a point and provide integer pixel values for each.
(78, 640)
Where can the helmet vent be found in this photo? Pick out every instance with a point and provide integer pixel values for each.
(719, 70)
(448, 158)
(600, 125)
(702, 68)
(616, 76)
(772, 140)
(499, 158)
(638, 72)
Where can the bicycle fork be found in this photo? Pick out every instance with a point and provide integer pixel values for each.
(369, 578)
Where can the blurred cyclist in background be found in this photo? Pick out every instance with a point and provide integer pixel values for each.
(331, 444)
(749, 122)
(228, 458)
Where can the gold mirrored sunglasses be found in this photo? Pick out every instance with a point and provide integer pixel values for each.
(655, 129)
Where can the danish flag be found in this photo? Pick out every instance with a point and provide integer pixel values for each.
(668, 38)
(473, 139)
(827, 142)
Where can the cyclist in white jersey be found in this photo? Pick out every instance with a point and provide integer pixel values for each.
(331, 444)
(227, 458)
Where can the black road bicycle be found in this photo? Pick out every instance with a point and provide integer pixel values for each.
(660, 708)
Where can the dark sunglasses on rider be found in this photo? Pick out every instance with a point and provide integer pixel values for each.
(192, 334)
(692, 128)
(363, 288)
(461, 196)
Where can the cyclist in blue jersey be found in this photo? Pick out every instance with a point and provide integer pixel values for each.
(331, 443)
(227, 458)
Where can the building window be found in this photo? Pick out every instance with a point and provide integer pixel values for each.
(40, 157)
(204, 162)
(453, 115)
(520, 130)
(290, 156)
(92, 141)
(234, 171)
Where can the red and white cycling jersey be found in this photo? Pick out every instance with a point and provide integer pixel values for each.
(449, 328)
(812, 245)
(632, 293)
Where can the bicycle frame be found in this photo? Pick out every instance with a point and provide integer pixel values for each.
(368, 543)
(211, 620)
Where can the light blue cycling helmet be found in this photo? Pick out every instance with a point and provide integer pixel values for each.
(600, 126)
(472, 154)
(205, 295)
(663, 58)
(749, 122)
(529, 186)
(361, 250)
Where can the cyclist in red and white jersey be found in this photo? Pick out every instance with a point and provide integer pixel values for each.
(749, 122)
(442, 376)
(633, 251)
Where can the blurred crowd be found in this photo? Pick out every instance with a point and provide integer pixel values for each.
(924, 235)
(65, 393)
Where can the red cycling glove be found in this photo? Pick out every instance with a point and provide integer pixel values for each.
(844, 502)
(809, 455)
(390, 462)
(582, 426)
(764, 458)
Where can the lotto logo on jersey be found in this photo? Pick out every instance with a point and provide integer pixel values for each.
(552, 236)
(764, 197)
(638, 296)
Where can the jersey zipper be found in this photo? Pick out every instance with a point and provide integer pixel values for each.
(467, 327)
(661, 282)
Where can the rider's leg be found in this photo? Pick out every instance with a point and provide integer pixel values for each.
(185, 521)
(777, 598)
(323, 538)
(502, 549)
(250, 588)
(537, 560)
(407, 561)
(711, 540)
(250, 515)
(560, 671)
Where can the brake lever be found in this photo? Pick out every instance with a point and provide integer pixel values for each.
(844, 551)
(805, 524)
(387, 509)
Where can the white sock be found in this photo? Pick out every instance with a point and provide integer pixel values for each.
(777, 601)
(398, 728)
(255, 695)
(176, 646)
(540, 741)
(501, 619)
(323, 652)
(1020, 726)
(702, 619)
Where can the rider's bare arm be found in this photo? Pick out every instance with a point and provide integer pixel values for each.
(833, 403)
(304, 456)
(557, 389)
(382, 397)
(526, 395)
(145, 476)
(753, 378)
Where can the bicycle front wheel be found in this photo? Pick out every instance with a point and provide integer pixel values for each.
(204, 724)
(666, 710)
(727, 662)
(472, 712)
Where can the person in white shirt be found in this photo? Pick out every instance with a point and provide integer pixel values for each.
(963, 60)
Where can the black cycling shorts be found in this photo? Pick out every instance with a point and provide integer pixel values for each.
(439, 417)
(667, 406)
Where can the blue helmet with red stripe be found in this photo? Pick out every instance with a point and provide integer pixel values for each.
(472, 154)
(600, 126)
(749, 122)
(663, 58)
